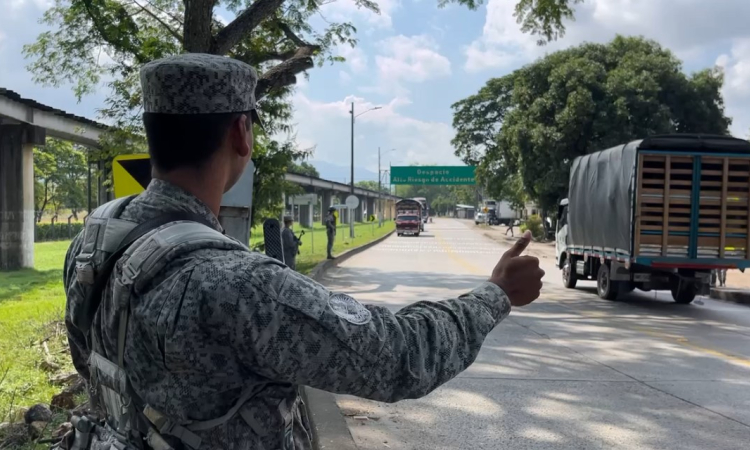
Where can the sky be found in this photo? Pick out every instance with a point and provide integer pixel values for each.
(414, 60)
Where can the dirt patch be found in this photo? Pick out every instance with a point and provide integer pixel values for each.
(542, 250)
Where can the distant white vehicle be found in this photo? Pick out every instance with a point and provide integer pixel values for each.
(479, 218)
(500, 213)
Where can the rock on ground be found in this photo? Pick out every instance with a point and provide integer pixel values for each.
(38, 413)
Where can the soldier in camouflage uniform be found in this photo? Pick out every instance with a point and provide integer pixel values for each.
(218, 325)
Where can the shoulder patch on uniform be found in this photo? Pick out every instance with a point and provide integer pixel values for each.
(349, 309)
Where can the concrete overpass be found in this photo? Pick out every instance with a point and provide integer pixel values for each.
(25, 123)
(333, 192)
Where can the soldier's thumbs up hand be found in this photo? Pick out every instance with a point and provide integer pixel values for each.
(519, 276)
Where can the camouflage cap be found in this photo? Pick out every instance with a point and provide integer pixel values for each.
(199, 83)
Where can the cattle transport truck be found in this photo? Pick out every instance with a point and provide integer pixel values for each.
(656, 214)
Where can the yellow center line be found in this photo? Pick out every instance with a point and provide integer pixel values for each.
(458, 259)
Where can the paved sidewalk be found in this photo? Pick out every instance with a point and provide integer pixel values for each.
(539, 249)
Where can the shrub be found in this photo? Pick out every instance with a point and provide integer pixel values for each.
(57, 232)
(534, 223)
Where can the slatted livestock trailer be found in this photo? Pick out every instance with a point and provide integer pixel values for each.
(656, 214)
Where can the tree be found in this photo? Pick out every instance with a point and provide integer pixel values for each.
(372, 185)
(441, 198)
(271, 159)
(59, 177)
(304, 168)
(524, 129)
(90, 41)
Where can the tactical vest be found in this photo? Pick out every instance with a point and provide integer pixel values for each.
(144, 249)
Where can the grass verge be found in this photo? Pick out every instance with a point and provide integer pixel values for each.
(32, 305)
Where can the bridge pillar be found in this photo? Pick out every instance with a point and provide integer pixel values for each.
(306, 215)
(326, 202)
(358, 210)
(17, 194)
(371, 207)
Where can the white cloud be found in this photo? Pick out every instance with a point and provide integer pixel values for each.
(736, 90)
(42, 5)
(412, 59)
(355, 57)
(326, 125)
(347, 10)
(687, 27)
(344, 76)
(736, 67)
(693, 29)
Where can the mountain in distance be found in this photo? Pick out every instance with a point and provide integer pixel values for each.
(340, 173)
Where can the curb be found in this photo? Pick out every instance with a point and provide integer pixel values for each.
(329, 428)
(324, 265)
(731, 295)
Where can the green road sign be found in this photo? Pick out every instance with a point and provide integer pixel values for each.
(433, 175)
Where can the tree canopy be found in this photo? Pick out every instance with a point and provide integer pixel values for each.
(60, 171)
(304, 168)
(441, 199)
(524, 129)
(373, 186)
(95, 42)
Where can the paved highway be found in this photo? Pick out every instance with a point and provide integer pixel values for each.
(570, 371)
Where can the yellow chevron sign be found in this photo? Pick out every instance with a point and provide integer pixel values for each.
(131, 174)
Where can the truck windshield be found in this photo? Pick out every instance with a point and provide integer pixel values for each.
(406, 218)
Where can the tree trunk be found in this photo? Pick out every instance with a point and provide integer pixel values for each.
(197, 27)
(44, 203)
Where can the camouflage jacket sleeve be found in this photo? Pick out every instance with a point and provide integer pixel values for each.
(76, 338)
(289, 328)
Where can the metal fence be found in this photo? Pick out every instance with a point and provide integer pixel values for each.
(44, 232)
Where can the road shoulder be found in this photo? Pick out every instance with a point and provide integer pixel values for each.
(329, 427)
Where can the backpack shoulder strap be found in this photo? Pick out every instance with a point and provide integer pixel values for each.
(94, 297)
(151, 252)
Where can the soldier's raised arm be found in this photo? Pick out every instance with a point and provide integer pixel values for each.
(290, 328)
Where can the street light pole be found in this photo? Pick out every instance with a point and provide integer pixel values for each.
(380, 195)
(351, 219)
(380, 188)
(351, 179)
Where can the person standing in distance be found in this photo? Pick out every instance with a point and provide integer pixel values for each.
(291, 244)
(231, 334)
(330, 230)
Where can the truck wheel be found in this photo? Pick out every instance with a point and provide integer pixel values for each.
(570, 277)
(605, 287)
(683, 293)
(416, 234)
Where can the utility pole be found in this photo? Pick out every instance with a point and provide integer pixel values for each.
(380, 200)
(349, 211)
